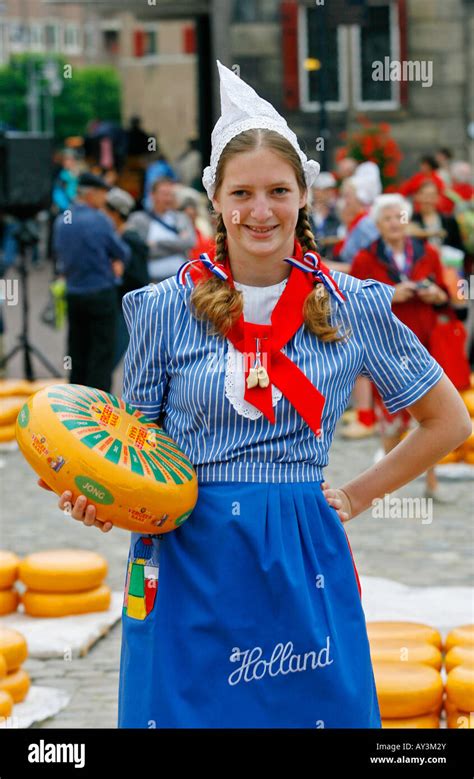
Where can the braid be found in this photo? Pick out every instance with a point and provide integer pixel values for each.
(213, 299)
(317, 306)
(304, 233)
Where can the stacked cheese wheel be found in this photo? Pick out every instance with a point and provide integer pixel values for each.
(465, 452)
(61, 582)
(14, 681)
(13, 393)
(459, 702)
(9, 596)
(406, 658)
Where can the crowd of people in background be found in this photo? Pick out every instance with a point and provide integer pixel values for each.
(123, 216)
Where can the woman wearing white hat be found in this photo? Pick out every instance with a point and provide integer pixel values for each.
(248, 357)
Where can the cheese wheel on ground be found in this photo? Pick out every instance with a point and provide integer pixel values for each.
(407, 689)
(3, 666)
(13, 647)
(6, 704)
(10, 387)
(451, 457)
(424, 721)
(17, 684)
(10, 408)
(92, 443)
(468, 444)
(460, 655)
(55, 604)
(460, 720)
(63, 570)
(448, 706)
(7, 433)
(405, 651)
(9, 564)
(404, 630)
(460, 636)
(9, 600)
(460, 687)
(468, 398)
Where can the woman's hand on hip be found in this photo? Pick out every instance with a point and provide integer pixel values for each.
(338, 500)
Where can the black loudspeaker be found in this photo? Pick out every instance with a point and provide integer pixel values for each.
(26, 172)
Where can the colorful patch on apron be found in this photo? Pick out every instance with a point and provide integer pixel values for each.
(142, 578)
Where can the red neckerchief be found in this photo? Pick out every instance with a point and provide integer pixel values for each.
(286, 320)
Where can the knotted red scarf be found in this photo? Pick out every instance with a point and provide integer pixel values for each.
(286, 320)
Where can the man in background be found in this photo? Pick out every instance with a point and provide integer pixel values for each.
(92, 258)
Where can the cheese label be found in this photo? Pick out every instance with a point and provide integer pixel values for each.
(97, 492)
(24, 416)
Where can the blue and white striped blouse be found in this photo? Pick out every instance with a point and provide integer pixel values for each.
(174, 368)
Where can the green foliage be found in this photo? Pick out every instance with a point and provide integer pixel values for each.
(91, 92)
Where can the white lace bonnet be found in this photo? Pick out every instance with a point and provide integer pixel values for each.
(242, 109)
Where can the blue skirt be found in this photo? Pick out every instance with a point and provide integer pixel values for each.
(247, 616)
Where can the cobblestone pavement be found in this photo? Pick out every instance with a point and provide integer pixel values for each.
(406, 550)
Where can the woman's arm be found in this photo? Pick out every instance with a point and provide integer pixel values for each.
(444, 424)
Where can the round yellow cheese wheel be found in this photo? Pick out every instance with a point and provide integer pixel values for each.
(3, 666)
(407, 689)
(10, 408)
(6, 704)
(7, 433)
(10, 387)
(17, 683)
(58, 604)
(89, 442)
(468, 398)
(9, 600)
(404, 630)
(460, 636)
(424, 721)
(469, 457)
(460, 720)
(460, 655)
(451, 457)
(9, 563)
(468, 444)
(460, 687)
(13, 647)
(63, 570)
(405, 651)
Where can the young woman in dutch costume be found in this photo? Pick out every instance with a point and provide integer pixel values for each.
(248, 359)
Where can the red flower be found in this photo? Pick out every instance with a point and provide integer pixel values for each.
(390, 170)
(384, 128)
(341, 153)
(368, 146)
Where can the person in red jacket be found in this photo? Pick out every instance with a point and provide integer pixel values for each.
(428, 172)
(413, 267)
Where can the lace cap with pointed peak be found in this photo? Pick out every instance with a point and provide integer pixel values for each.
(242, 109)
